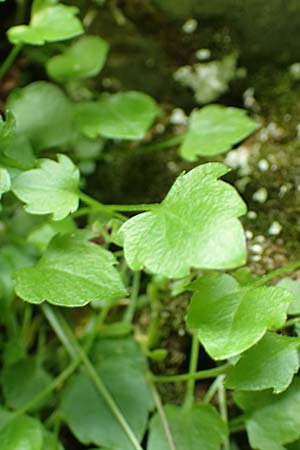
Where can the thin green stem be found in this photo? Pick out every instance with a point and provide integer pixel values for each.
(69, 340)
(276, 273)
(171, 142)
(153, 330)
(291, 322)
(190, 387)
(135, 288)
(237, 424)
(212, 390)
(201, 375)
(9, 60)
(222, 399)
(134, 208)
(163, 417)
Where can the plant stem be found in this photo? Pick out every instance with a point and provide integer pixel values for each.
(276, 273)
(171, 142)
(190, 387)
(153, 330)
(129, 314)
(163, 417)
(223, 407)
(291, 322)
(69, 341)
(237, 424)
(10, 59)
(201, 375)
(212, 390)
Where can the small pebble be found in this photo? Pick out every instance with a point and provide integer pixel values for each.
(252, 215)
(190, 26)
(275, 228)
(260, 195)
(263, 165)
(203, 54)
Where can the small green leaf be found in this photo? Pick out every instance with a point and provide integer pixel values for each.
(214, 130)
(271, 420)
(271, 363)
(5, 182)
(122, 367)
(199, 427)
(43, 113)
(22, 381)
(23, 433)
(292, 286)
(83, 59)
(50, 189)
(72, 272)
(50, 442)
(195, 226)
(42, 235)
(126, 115)
(19, 153)
(229, 321)
(50, 21)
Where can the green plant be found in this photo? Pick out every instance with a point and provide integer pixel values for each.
(62, 247)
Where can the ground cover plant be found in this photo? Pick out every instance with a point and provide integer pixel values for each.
(83, 282)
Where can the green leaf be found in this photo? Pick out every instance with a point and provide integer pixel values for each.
(126, 115)
(122, 367)
(195, 226)
(22, 381)
(214, 130)
(50, 189)
(19, 153)
(50, 442)
(42, 235)
(199, 427)
(50, 21)
(292, 286)
(5, 182)
(43, 114)
(230, 320)
(7, 130)
(271, 363)
(23, 433)
(83, 59)
(72, 272)
(271, 420)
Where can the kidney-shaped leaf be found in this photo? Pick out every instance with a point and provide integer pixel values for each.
(22, 433)
(292, 286)
(196, 226)
(272, 420)
(271, 363)
(72, 272)
(50, 21)
(122, 367)
(230, 322)
(43, 114)
(126, 115)
(214, 130)
(50, 189)
(83, 59)
(199, 427)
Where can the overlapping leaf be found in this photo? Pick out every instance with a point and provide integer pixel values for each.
(122, 367)
(214, 130)
(271, 363)
(43, 114)
(83, 59)
(271, 420)
(21, 433)
(72, 272)
(292, 286)
(50, 21)
(230, 320)
(196, 226)
(126, 115)
(197, 428)
(50, 189)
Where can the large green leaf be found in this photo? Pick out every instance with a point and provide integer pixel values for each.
(229, 321)
(271, 363)
(43, 114)
(50, 21)
(126, 115)
(122, 367)
(83, 59)
(214, 129)
(271, 420)
(5, 182)
(72, 272)
(50, 189)
(195, 226)
(22, 381)
(22, 433)
(199, 427)
(292, 286)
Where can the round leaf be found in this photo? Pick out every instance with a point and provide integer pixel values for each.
(23, 433)
(293, 286)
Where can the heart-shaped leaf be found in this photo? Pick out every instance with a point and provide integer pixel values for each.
(195, 226)
(72, 272)
(50, 21)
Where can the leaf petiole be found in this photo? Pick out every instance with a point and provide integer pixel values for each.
(190, 387)
(10, 59)
(201, 375)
